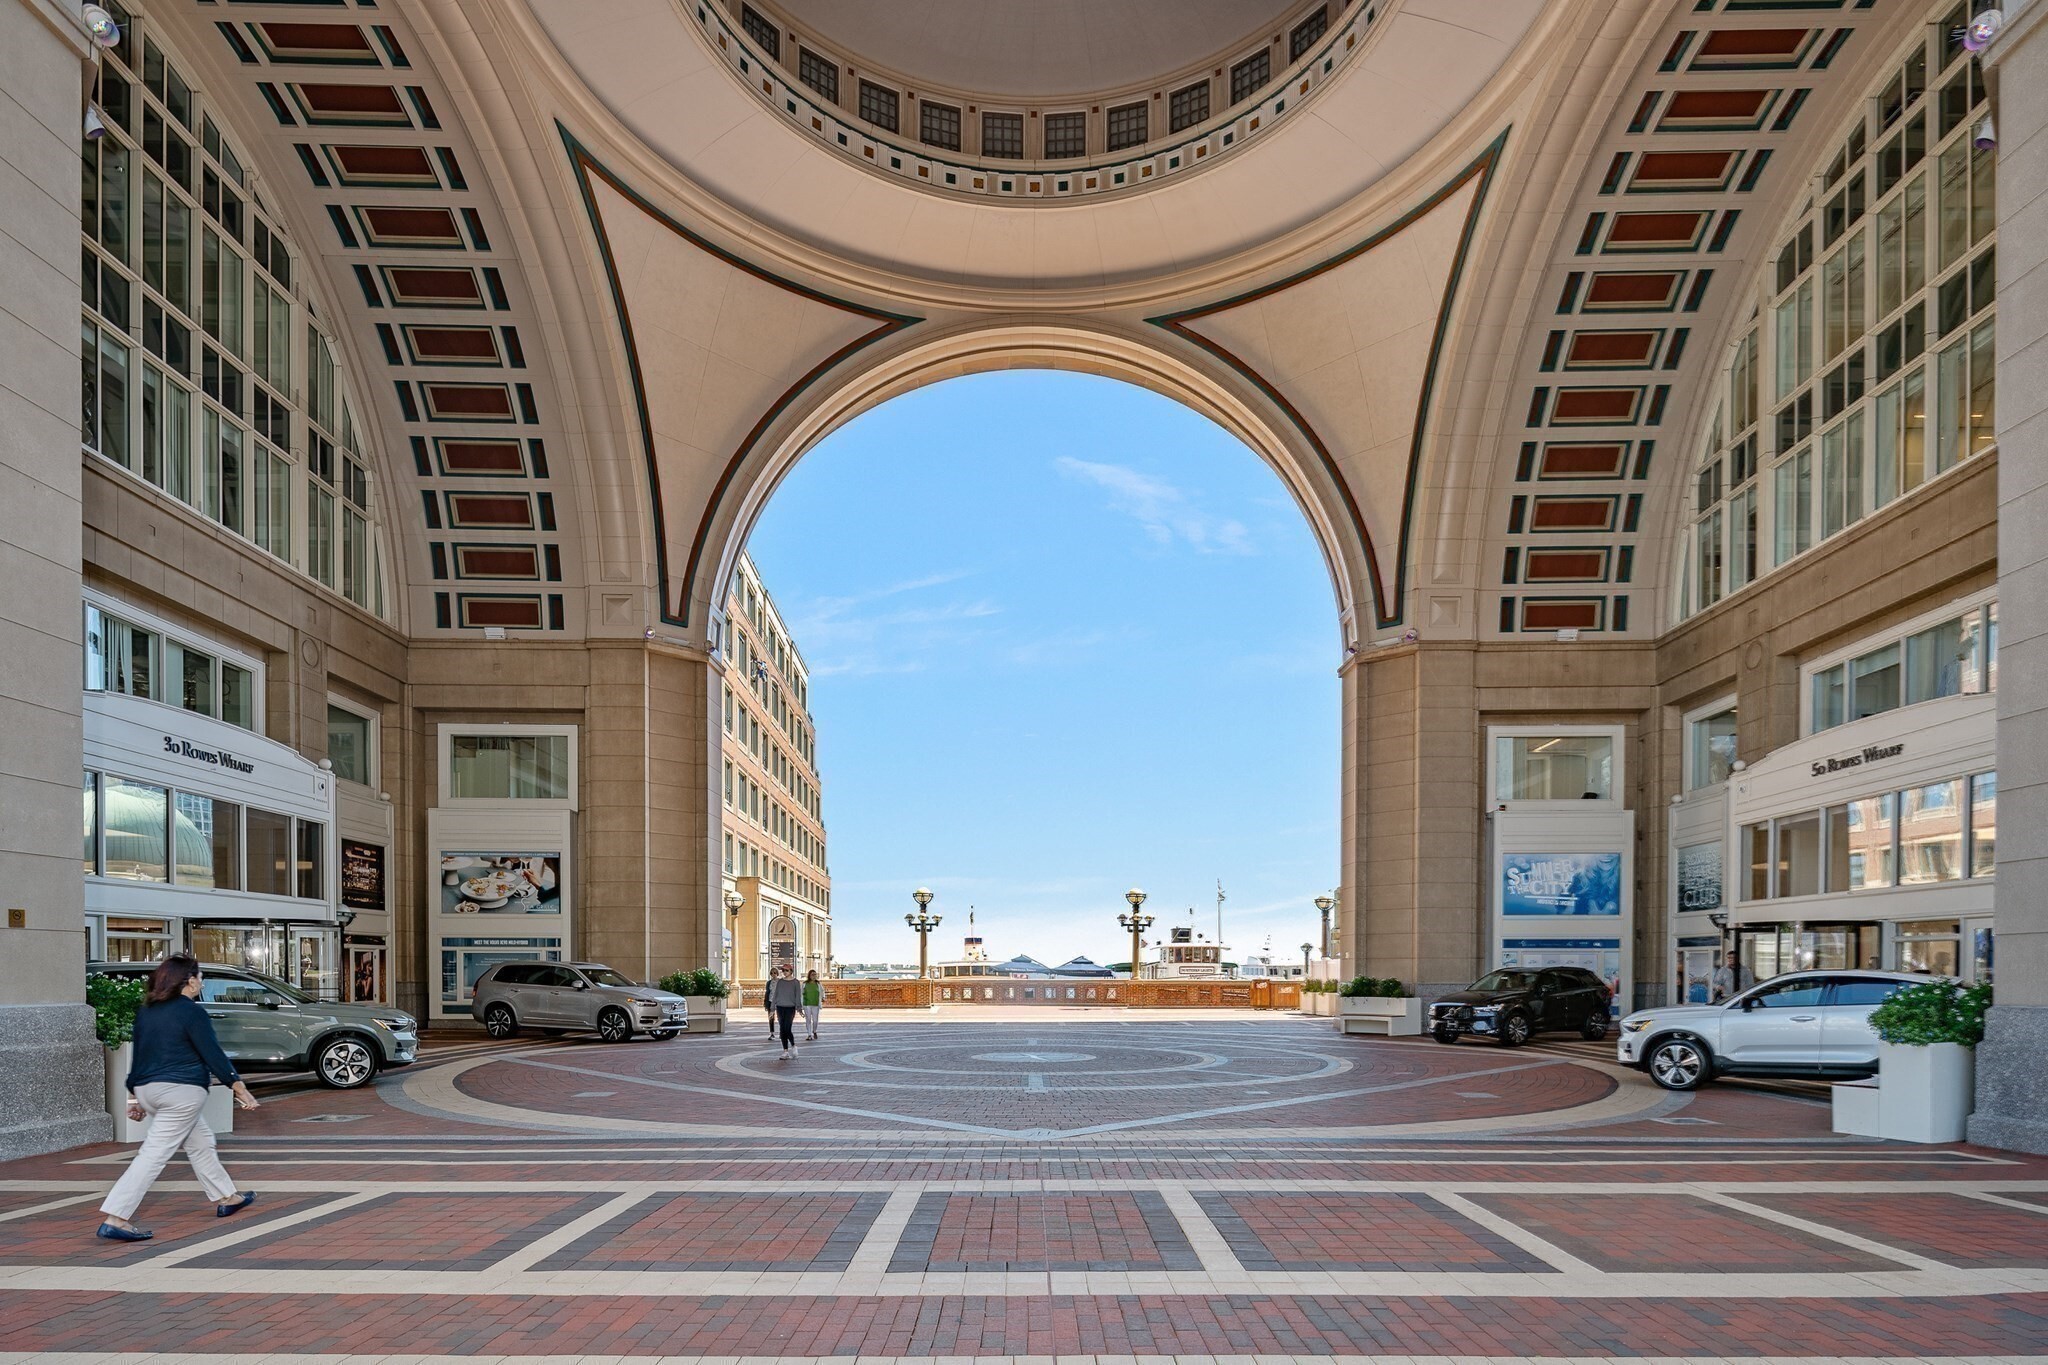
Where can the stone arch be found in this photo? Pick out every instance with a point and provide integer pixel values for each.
(1065, 344)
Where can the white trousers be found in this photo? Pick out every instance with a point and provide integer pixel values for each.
(175, 1122)
(811, 1019)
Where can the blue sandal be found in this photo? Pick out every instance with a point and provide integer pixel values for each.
(121, 1234)
(224, 1210)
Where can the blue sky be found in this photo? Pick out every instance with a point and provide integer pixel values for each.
(1065, 636)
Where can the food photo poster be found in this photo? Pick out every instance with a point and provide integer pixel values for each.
(501, 883)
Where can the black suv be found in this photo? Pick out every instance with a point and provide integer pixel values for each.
(1513, 1005)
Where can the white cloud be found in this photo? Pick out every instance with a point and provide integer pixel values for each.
(1164, 512)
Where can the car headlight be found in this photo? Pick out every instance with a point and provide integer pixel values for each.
(397, 1023)
(645, 1000)
(1636, 1025)
(1487, 1009)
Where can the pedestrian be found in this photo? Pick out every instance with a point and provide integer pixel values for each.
(1731, 978)
(814, 1000)
(785, 993)
(175, 1051)
(768, 1000)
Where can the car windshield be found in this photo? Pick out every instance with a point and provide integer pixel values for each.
(283, 988)
(1504, 981)
(605, 976)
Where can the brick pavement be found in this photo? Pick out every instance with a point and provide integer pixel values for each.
(1268, 1190)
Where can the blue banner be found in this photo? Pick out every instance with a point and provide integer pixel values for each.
(1560, 884)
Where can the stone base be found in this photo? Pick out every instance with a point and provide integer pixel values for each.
(52, 1080)
(2012, 1083)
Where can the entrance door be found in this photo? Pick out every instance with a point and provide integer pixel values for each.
(314, 964)
(1695, 976)
(1977, 949)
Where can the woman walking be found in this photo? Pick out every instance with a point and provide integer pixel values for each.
(785, 993)
(175, 1051)
(814, 1000)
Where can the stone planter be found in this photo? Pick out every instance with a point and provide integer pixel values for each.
(707, 1013)
(219, 1111)
(1925, 1094)
(1395, 1016)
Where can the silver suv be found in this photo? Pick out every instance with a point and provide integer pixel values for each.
(569, 997)
(265, 1024)
(1809, 1025)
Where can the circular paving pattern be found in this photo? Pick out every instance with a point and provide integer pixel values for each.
(1071, 1080)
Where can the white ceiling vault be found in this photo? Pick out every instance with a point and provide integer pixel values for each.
(1386, 292)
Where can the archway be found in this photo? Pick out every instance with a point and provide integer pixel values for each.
(975, 474)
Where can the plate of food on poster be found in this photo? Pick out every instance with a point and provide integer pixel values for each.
(501, 883)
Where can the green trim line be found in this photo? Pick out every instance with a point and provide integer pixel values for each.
(1387, 611)
(585, 165)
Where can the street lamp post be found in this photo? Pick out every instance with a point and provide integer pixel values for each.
(734, 903)
(1137, 923)
(1306, 949)
(1325, 904)
(923, 924)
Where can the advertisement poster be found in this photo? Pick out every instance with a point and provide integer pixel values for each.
(1561, 884)
(1699, 877)
(362, 875)
(366, 975)
(501, 883)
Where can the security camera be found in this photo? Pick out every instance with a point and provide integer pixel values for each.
(101, 26)
(95, 126)
(1986, 136)
(1979, 32)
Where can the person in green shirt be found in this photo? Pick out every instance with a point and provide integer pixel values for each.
(814, 1000)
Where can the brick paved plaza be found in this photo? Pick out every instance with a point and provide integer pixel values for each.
(1208, 1187)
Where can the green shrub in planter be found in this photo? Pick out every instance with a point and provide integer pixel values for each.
(115, 1002)
(1374, 987)
(703, 981)
(1938, 1011)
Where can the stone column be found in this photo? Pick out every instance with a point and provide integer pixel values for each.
(1412, 823)
(2012, 1081)
(650, 823)
(50, 1063)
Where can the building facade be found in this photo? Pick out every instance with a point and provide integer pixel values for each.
(772, 837)
(1656, 376)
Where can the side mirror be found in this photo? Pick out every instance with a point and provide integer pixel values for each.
(1748, 1003)
(270, 1003)
(582, 985)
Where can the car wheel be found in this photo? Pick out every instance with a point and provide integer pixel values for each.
(1679, 1064)
(499, 1023)
(345, 1063)
(1444, 1035)
(613, 1026)
(1515, 1030)
(1595, 1027)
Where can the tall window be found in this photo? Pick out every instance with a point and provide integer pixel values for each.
(1066, 135)
(762, 30)
(1127, 124)
(1876, 335)
(878, 105)
(351, 745)
(1954, 657)
(142, 661)
(1002, 135)
(1249, 76)
(1187, 106)
(203, 371)
(1710, 749)
(821, 74)
(1303, 35)
(939, 125)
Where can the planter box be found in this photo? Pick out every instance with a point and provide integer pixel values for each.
(707, 1013)
(1925, 1094)
(1395, 1016)
(1326, 1004)
(219, 1111)
(1855, 1108)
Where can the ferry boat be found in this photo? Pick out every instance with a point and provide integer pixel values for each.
(1187, 956)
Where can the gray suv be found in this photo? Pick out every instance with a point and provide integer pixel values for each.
(265, 1024)
(569, 997)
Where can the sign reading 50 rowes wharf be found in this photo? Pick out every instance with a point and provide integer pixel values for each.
(1875, 753)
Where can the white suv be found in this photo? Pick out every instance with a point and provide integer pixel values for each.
(1801, 1024)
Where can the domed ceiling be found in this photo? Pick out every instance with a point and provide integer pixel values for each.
(1038, 49)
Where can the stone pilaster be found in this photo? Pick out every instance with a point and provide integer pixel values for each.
(2012, 1083)
(51, 1092)
(1412, 817)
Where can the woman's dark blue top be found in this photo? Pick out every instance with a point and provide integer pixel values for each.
(174, 1043)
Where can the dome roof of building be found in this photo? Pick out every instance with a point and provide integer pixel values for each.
(1041, 49)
